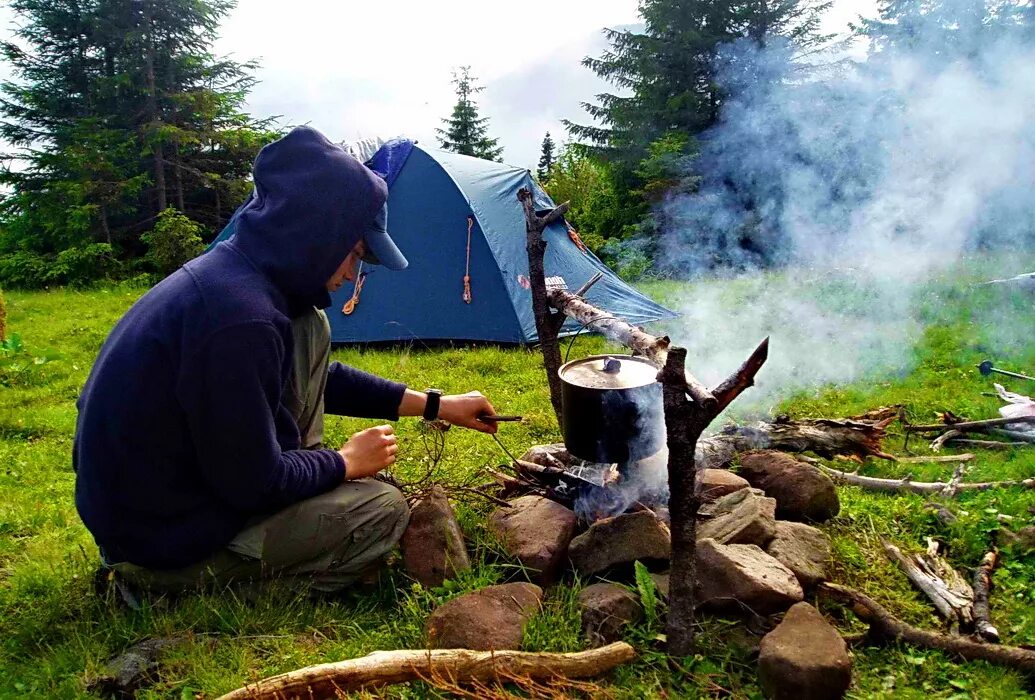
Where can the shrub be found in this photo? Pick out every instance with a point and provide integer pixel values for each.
(174, 240)
(80, 266)
(23, 269)
(77, 266)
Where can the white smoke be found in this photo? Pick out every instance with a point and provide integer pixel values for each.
(858, 184)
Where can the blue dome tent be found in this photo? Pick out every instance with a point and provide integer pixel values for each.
(438, 201)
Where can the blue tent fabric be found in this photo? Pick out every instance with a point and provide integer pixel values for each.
(430, 201)
(389, 160)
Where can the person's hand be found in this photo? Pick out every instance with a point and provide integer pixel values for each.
(463, 410)
(369, 451)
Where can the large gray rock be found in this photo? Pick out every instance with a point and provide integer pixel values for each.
(713, 484)
(742, 577)
(433, 544)
(802, 492)
(491, 618)
(615, 543)
(803, 549)
(606, 609)
(804, 658)
(742, 517)
(536, 531)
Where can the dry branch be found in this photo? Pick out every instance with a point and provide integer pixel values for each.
(923, 487)
(982, 588)
(925, 459)
(883, 625)
(950, 594)
(967, 425)
(987, 444)
(457, 665)
(651, 347)
(939, 442)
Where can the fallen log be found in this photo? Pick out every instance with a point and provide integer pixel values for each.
(923, 487)
(950, 594)
(982, 588)
(884, 626)
(824, 437)
(455, 665)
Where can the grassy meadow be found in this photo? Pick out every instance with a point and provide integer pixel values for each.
(56, 632)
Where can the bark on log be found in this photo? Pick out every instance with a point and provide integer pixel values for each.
(923, 487)
(456, 665)
(683, 428)
(884, 626)
(950, 594)
(982, 588)
(824, 437)
(547, 324)
(651, 347)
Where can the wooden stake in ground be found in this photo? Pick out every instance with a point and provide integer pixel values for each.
(982, 588)
(547, 324)
(885, 626)
(455, 665)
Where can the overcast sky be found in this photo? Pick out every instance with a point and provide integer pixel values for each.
(383, 68)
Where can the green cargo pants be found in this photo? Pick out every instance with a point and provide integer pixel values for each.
(330, 539)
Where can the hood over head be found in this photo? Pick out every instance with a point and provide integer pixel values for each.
(311, 205)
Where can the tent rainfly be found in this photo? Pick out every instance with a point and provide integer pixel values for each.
(458, 219)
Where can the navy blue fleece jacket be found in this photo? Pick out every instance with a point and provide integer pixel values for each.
(182, 434)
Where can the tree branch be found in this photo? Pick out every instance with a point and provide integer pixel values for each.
(458, 665)
(884, 625)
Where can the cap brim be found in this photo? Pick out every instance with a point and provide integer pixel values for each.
(381, 249)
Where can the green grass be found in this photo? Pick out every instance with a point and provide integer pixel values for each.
(56, 633)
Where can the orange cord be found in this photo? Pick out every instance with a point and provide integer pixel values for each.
(350, 305)
(467, 270)
(576, 239)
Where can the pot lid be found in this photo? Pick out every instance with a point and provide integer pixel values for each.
(609, 372)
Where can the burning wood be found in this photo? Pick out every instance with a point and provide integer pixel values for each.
(685, 419)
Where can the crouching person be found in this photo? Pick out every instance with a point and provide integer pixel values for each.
(199, 451)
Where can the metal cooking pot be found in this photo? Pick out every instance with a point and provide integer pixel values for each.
(611, 409)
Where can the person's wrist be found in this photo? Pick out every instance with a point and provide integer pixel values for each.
(432, 404)
(344, 465)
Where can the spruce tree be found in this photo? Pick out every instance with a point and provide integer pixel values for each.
(648, 132)
(116, 108)
(465, 132)
(546, 159)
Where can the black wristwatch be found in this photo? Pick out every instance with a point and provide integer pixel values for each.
(431, 407)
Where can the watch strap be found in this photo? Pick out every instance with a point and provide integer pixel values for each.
(433, 403)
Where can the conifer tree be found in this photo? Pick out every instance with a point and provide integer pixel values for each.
(668, 95)
(546, 159)
(116, 109)
(465, 132)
